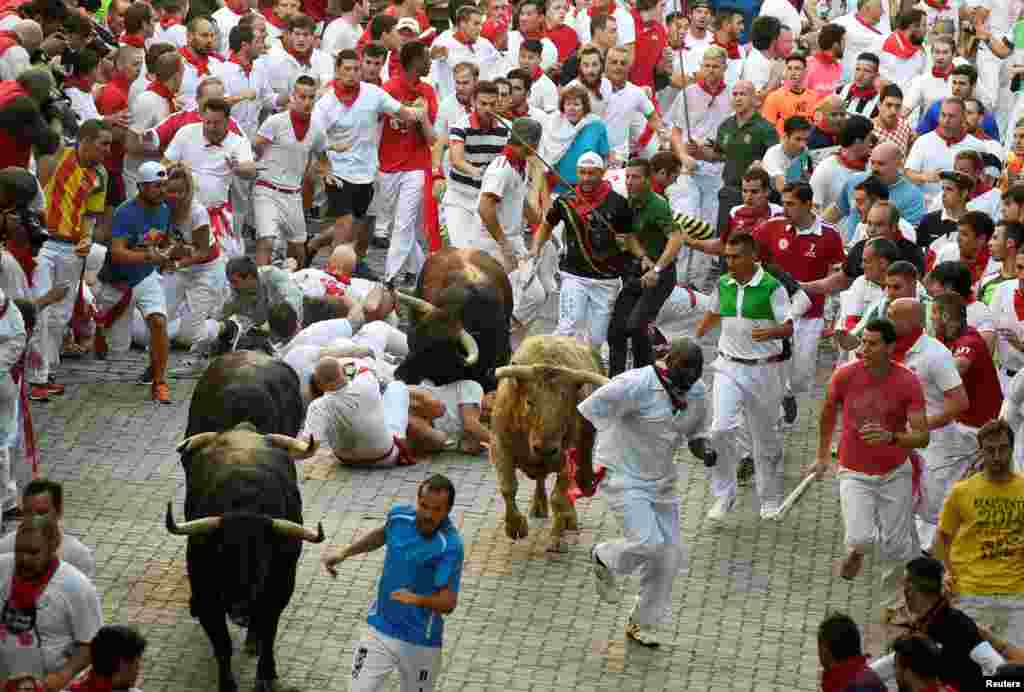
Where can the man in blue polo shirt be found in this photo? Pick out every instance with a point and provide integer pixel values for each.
(419, 583)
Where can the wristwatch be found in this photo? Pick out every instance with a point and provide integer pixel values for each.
(656, 269)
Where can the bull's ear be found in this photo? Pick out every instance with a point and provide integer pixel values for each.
(196, 442)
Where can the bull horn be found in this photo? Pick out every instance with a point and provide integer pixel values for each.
(585, 377)
(518, 372)
(196, 527)
(195, 442)
(472, 350)
(417, 304)
(294, 447)
(298, 531)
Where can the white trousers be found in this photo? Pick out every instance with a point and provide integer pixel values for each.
(463, 224)
(803, 366)
(56, 265)
(694, 267)
(581, 300)
(946, 458)
(9, 392)
(201, 291)
(881, 506)
(395, 401)
(376, 655)
(652, 545)
(383, 338)
(1004, 614)
(147, 297)
(403, 192)
(747, 395)
(278, 215)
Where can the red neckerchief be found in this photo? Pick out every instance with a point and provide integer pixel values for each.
(838, 677)
(14, 684)
(608, 9)
(237, 59)
(942, 75)
(343, 278)
(346, 95)
(7, 39)
(980, 263)
(981, 188)
(523, 112)
(80, 82)
(25, 593)
(710, 90)
(170, 20)
(677, 403)
(273, 19)
(461, 37)
(300, 124)
(950, 142)
(303, 60)
(494, 28)
(242, 8)
(940, 5)
(119, 81)
(91, 682)
(134, 40)
(477, 124)
(1018, 303)
(899, 44)
(532, 35)
(200, 62)
(905, 343)
(656, 187)
(585, 203)
(866, 93)
(515, 160)
(158, 87)
(732, 48)
(852, 164)
(823, 56)
(537, 73)
(866, 25)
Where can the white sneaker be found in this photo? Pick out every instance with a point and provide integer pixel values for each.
(769, 508)
(722, 506)
(604, 580)
(644, 636)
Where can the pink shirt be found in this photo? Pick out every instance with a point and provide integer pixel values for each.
(823, 77)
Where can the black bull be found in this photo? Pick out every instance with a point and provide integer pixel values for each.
(243, 509)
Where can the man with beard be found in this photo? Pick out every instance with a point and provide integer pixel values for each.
(605, 36)
(901, 56)
(861, 95)
(824, 70)
(450, 110)
(420, 583)
(200, 59)
(591, 77)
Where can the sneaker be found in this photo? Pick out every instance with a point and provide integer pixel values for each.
(642, 635)
(745, 471)
(39, 392)
(604, 580)
(190, 368)
(722, 506)
(147, 376)
(55, 389)
(789, 409)
(769, 509)
(161, 393)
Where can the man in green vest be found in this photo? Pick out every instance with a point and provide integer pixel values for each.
(753, 309)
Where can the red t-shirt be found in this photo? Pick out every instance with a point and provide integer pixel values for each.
(421, 17)
(744, 219)
(565, 39)
(980, 381)
(865, 398)
(651, 41)
(402, 146)
(14, 151)
(113, 98)
(807, 256)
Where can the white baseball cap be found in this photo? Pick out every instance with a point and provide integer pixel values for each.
(408, 23)
(152, 172)
(590, 160)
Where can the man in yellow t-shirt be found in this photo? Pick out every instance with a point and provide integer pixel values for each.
(982, 531)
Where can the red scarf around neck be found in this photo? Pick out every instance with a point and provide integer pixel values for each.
(273, 19)
(91, 682)
(158, 87)
(585, 203)
(169, 21)
(732, 48)
(865, 93)
(515, 160)
(25, 593)
(461, 37)
(944, 74)
(200, 62)
(840, 676)
(950, 141)
(1018, 303)
(346, 95)
(852, 164)
(899, 44)
(866, 25)
(521, 112)
(657, 187)
(239, 7)
(905, 343)
(537, 73)
(824, 57)
(304, 59)
(343, 278)
(237, 59)
(608, 9)
(300, 123)
(134, 40)
(940, 5)
(532, 35)
(711, 91)
(7, 39)
(677, 403)
(84, 84)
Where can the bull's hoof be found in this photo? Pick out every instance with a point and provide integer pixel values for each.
(227, 684)
(274, 685)
(516, 526)
(252, 643)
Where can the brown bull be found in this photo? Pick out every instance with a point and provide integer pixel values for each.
(535, 421)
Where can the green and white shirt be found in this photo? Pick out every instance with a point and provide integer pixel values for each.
(761, 302)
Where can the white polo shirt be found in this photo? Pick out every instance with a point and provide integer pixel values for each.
(358, 126)
(209, 162)
(924, 90)
(935, 367)
(338, 36)
(286, 158)
(623, 107)
(190, 80)
(226, 20)
(931, 153)
(504, 182)
(735, 339)
(281, 69)
(757, 67)
(482, 53)
(245, 113)
(147, 110)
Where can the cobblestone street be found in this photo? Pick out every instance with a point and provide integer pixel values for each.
(746, 608)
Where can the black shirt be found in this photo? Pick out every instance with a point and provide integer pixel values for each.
(909, 251)
(616, 210)
(932, 227)
(957, 634)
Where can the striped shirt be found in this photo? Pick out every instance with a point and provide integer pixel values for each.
(858, 105)
(71, 193)
(480, 147)
(900, 135)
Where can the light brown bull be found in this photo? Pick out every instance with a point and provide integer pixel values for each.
(535, 421)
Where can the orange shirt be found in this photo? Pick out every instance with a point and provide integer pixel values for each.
(783, 103)
(71, 193)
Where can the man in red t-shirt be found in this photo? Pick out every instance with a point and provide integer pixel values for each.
(405, 163)
(807, 248)
(879, 399)
(113, 99)
(650, 45)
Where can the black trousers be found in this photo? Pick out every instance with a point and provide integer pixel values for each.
(635, 309)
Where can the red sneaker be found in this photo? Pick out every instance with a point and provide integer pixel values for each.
(39, 392)
(161, 393)
(55, 389)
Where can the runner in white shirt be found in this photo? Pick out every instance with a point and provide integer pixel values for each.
(757, 64)
(464, 45)
(629, 108)
(200, 61)
(503, 196)
(935, 152)
(350, 115)
(16, 58)
(619, 14)
(782, 160)
(830, 176)
(245, 87)
(171, 28)
(286, 146)
(291, 56)
(227, 18)
(451, 110)
(590, 76)
(785, 12)
(901, 57)
(531, 26)
(79, 85)
(344, 32)
(543, 91)
(147, 110)
(929, 87)
(993, 27)
(865, 33)
(215, 156)
(1009, 325)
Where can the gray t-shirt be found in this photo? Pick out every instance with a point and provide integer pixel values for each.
(72, 551)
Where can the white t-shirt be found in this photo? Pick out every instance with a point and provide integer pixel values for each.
(209, 162)
(503, 181)
(900, 70)
(147, 110)
(286, 158)
(13, 281)
(461, 393)
(931, 153)
(316, 283)
(935, 367)
(1004, 312)
(757, 67)
(776, 161)
(544, 94)
(548, 52)
(246, 113)
(482, 53)
(855, 301)
(351, 420)
(71, 550)
(318, 334)
(190, 80)
(785, 12)
(907, 230)
(281, 69)
(358, 126)
(859, 39)
(176, 35)
(68, 613)
(226, 20)
(13, 61)
(338, 36)
(828, 180)
(924, 90)
(707, 112)
(449, 112)
(625, 26)
(624, 107)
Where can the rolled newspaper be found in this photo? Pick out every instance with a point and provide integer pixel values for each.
(792, 498)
